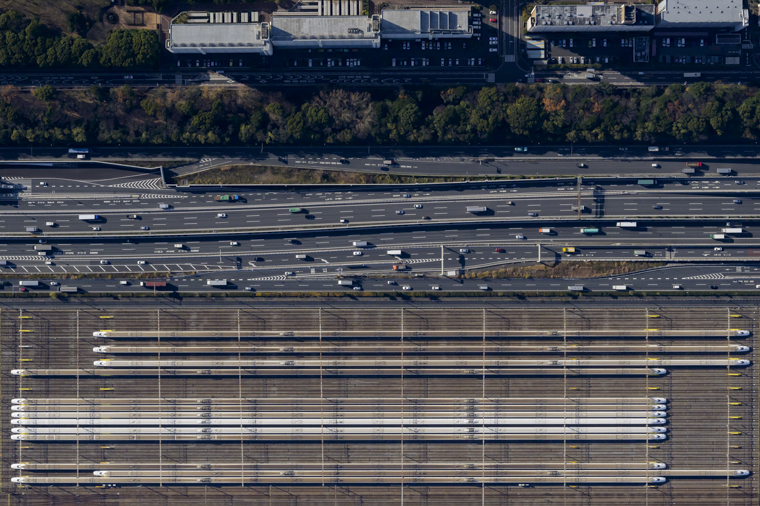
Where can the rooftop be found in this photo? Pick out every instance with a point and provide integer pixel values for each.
(423, 21)
(703, 12)
(236, 35)
(593, 15)
(298, 27)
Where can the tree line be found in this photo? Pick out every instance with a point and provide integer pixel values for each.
(28, 44)
(493, 115)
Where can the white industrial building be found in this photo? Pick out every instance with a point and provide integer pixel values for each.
(222, 32)
(592, 18)
(292, 31)
(433, 23)
(702, 14)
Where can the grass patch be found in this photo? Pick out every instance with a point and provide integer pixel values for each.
(255, 174)
(565, 269)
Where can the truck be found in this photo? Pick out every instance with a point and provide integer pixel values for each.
(694, 164)
(575, 208)
(689, 171)
(68, 289)
(360, 244)
(476, 209)
(576, 288)
(692, 74)
(718, 237)
(389, 161)
(32, 229)
(395, 252)
(227, 198)
(647, 182)
(301, 257)
(153, 284)
(346, 282)
(43, 247)
(89, 217)
(295, 210)
(216, 282)
(28, 283)
(399, 267)
(653, 149)
(544, 230)
(568, 249)
(164, 206)
(732, 230)
(725, 171)
(589, 231)
(589, 75)
(639, 253)
(620, 288)
(626, 224)
(79, 151)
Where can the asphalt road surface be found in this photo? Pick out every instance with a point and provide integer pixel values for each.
(670, 278)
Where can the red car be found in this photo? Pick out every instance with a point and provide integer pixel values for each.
(500, 250)
(22, 289)
(493, 20)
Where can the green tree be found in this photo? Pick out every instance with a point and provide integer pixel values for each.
(44, 93)
(524, 116)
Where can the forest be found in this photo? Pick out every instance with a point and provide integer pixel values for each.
(494, 115)
(27, 44)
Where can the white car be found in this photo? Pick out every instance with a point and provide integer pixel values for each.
(141, 262)
(436, 287)
(344, 220)
(406, 287)
(493, 50)
(54, 283)
(221, 215)
(464, 250)
(718, 248)
(234, 243)
(492, 12)
(418, 206)
(391, 282)
(290, 273)
(358, 253)
(519, 236)
(104, 262)
(96, 229)
(357, 288)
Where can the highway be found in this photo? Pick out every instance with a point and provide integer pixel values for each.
(487, 161)
(688, 277)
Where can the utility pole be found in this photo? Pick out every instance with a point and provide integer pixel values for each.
(441, 259)
(539, 252)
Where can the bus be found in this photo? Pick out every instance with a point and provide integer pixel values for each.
(647, 182)
(589, 231)
(79, 151)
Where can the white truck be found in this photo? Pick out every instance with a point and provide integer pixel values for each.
(626, 224)
(216, 282)
(360, 244)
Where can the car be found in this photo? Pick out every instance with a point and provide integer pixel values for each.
(96, 229)
(383, 167)
(713, 287)
(519, 236)
(357, 288)
(104, 262)
(418, 206)
(48, 262)
(657, 207)
(737, 201)
(132, 216)
(42, 241)
(435, 287)
(234, 243)
(144, 228)
(492, 12)
(22, 289)
(358, 253)
(221, 215)
(493, 20)
(290, 273)
(464, 250)
(248, 289)
(518, 150)
(533, 214)
(400, 211)
(343, 220)
(500, 250)
(426, 217)
(406, 196)
(391, 282)
(582, 166)
(740, 182)
(292, 241)
(406, 287)
(128, 77)
(54, 283)
(493, 50)
(717, 248)
(510, 203)
(141, 262)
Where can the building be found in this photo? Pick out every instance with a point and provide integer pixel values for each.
(448, 22)
(702, 14)
(293, 30)
(591, 18)
(210, 33)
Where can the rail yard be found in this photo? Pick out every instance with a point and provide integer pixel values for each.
(367, 405)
